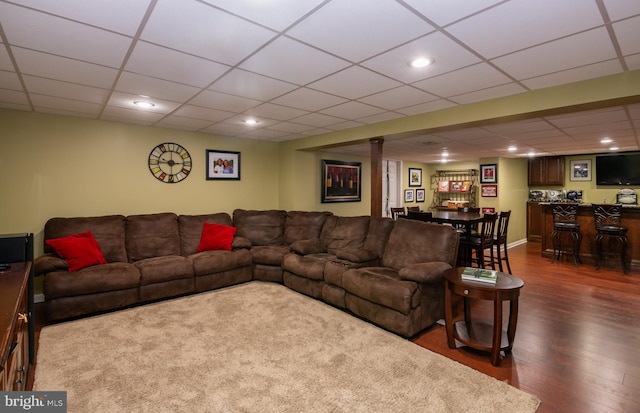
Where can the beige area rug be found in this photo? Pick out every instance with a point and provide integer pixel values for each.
(256, 347)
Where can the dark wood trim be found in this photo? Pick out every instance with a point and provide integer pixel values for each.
(376, 176)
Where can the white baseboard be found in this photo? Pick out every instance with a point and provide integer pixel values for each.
(38, 298)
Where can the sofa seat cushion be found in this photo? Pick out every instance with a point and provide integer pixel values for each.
(90, 280)
(211, 262)
(307, 266)
(382, 285)
(161, 269)
(269, 255)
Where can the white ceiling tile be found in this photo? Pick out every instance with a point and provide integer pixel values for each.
(318, 120)
(489, 93)
(122, 16)
(178, 122)
(380, 117)
(138, 117)
(518, 24)
(5, 60)
(309, 99)
(443, 12)
(289, 127)
(353, 29)
(68, 90)
(197, 112)
(62, 37)
(427, 107)
(68, 105)
(590, 117)
(125, 100)
(243, 83)
(352, 110)
(633, 61)
(222, 101)
(353, 83)
(628, 35)
(60, 68)
(618, 9)
(276, 14)
(13, 97)
(204, 31)
(278, 112)
(171, 65)
(223, 128)
(290, 60)
(154, 88)
(474, 77)
(578, 50)
(10, 80)
(397, 98)
(577, 74)
(448, 56)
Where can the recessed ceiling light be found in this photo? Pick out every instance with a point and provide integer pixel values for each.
(531, 154)
(444, 160)
(143, 104)
(512, 148)
(606, 140)
(445, 154)
(251, 121)
(613, 148)
(421, 62)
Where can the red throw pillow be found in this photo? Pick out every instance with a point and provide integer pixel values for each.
(78, 250)
(216, 237)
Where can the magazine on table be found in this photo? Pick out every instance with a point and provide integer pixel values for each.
(480, 275)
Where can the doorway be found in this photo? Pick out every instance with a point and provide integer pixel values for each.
(391, 186)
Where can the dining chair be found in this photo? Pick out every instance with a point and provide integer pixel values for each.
(474, 246)
(396, 211)
(413, 208)
(608, 219)
(500, 241)
(419, 215)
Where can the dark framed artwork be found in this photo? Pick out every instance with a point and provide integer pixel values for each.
(341, 181)
(420, 195)
(489, 174)
(580, 170)
(223, 165)
(490, 191)
(415, 177)
(408, 195)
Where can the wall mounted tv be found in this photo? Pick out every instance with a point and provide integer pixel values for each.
(619, 169)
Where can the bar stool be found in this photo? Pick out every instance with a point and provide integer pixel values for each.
(608, 224)
(500, 241)
(473, 246)
(565, 221)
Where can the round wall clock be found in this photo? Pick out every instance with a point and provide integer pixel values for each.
(169, 162)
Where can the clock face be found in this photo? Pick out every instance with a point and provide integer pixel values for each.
(169, 163)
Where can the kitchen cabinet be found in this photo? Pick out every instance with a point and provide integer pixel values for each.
(546, 171)
(534, 222)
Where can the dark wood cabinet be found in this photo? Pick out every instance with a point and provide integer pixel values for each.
(534, 222)
(546, 171)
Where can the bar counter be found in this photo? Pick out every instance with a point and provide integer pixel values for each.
(630, 219)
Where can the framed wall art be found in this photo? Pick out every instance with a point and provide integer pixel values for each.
(490, 191)
(415, 177)
(488, 211)
(580, 170)
(420, 195)
(223, 165)
(489, 174)
(341, 181)
(408, 195)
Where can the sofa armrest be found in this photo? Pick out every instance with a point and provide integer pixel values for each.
(425, 272)
(309, 246)
(357, 255)
(240, 243)
(49, 263)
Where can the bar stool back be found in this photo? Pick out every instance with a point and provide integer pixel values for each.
(500, 241)
(608, 218)
(565, 221)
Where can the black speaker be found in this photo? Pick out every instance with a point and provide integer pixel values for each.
(19, 248)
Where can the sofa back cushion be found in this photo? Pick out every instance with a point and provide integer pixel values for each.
(378, 234)
(190, 229)
(303, 225)
(108, 230)
(260, 227)
(344, 232)
(152, 235)
(411, 242)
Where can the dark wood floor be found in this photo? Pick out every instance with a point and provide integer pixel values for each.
(577, 344)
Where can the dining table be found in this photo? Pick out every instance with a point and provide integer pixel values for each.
(456, 218)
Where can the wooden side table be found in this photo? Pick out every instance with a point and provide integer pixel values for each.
(478, 335)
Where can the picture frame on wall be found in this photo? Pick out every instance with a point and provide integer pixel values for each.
(341, 181)
(489, 173)
(420, 195)
(408, 195)
(488, 210)
(415, 177)
(223, 165)
(490, 191)
(580, 170)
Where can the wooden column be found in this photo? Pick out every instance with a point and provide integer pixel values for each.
(376, 176)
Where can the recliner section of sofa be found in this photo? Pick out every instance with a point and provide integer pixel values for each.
(388, 272)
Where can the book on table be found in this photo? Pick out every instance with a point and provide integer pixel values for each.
(480, 275)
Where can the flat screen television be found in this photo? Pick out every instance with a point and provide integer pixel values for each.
(619, 169)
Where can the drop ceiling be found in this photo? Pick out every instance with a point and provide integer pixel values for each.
(310, 67)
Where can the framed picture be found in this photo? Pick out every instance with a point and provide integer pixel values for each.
(489, 174)
(488, 211)
(580, 170)
(415, 177)
(408, 195)
(341, 181)
(223, 165)
(466, 186)
(443, 186)
(455, 186)
(419, 195)
(490, 191)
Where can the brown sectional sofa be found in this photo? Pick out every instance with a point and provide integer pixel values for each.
(388, 272)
